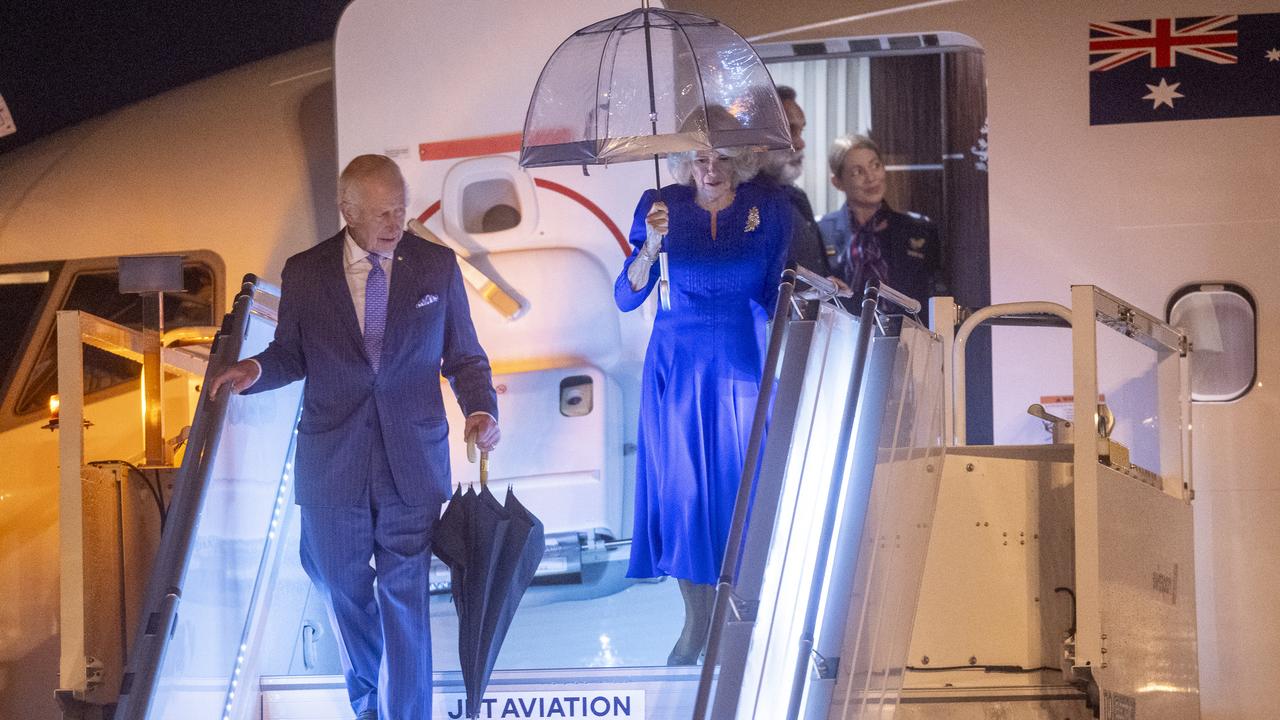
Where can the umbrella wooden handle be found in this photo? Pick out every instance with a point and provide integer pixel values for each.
(484, 460)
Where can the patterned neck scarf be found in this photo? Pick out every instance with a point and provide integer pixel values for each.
(866, 261)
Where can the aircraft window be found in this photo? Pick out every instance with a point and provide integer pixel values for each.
(21, 294)
(98, 293)
(490, 206)
(1221, 320)
(499, 218)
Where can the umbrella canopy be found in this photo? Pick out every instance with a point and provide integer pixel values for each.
(522, 551)
(469, 539)
(649, 83)
(492, 552)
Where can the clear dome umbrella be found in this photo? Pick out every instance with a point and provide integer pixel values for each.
(647, 83)
(640, 84)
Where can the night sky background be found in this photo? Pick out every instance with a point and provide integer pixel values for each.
(62, 62)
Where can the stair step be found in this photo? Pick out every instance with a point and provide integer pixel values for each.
(631, 693)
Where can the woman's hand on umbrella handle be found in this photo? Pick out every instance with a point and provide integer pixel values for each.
(639, 271)
(656, 220)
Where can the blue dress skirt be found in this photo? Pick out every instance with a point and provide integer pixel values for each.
(701, 373)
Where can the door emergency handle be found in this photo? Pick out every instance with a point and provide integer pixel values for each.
(310, 639)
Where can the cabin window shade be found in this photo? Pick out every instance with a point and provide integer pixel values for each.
(1221, 321)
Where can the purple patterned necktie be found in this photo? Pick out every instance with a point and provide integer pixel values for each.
(375, 310)
(865, 258)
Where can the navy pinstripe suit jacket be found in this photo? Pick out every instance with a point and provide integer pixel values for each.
(429, 333)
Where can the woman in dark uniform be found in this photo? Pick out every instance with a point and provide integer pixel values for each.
(868, 239)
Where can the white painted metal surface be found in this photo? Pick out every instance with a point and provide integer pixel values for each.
(71, 668)
(960, 342)
(1113, 563)
(1091, 557)
(79, 670)
(1001, 544)
(1147, 620)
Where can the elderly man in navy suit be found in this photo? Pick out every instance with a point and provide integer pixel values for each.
(372, 317)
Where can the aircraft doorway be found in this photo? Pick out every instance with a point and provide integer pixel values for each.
(922, 99)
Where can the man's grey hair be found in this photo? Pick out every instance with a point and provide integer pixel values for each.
(843, 145)
(367, 167)
(743, 159)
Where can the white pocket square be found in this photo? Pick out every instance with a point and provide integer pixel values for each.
(427, 300)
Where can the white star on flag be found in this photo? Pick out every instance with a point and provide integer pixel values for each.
(1162, 94)
(1273, 55)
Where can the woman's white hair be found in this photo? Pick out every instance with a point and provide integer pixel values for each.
(743, 159)
(716, 117)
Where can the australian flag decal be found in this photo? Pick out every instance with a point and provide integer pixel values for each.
(1184, 68)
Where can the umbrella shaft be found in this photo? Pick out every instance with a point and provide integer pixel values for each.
(648, 63)
(653, 102)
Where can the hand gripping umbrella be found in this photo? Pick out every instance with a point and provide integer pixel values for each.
(648, 83)
(492, 552)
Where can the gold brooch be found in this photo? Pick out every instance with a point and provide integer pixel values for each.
(753, 219)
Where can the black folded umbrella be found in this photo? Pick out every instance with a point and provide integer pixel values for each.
(517, 563)
(492, 553)
(469, 538)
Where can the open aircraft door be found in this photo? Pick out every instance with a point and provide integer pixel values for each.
(545, 245)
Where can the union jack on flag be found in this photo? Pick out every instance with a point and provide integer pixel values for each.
(1162, 40)
(1135, 76)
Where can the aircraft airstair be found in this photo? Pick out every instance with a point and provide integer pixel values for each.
(232, 628)
(817, 611)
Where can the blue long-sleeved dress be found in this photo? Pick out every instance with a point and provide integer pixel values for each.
(701, 373)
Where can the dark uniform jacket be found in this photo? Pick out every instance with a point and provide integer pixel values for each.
(806, 247)
(909, 244)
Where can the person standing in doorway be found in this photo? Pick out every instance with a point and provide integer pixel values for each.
(871, 239)
(781, 169)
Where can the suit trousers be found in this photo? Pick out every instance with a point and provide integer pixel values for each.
(383, 629)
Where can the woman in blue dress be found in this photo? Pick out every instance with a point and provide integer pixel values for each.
(726, 241)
